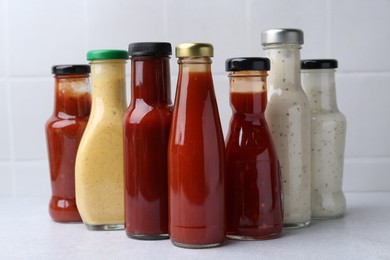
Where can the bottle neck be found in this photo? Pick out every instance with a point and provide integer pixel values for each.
(150, 80)
(319, 86)
(194, 65)
(72, 96)
(285, 66)
(248, 93)
(108, 79)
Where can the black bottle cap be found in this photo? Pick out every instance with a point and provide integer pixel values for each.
(250, 63)
(319, 64)
(70, 69)
(150, 49)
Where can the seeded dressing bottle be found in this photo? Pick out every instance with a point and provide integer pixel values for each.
(99, 160)
(288, 117)
(328, 126)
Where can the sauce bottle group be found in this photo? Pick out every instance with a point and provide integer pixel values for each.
(161, 170)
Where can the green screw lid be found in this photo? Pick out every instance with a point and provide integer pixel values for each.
(107, 55)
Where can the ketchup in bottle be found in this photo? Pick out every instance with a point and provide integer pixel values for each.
(147, 123)
(196, 184)
(253, 178)
(64, 129)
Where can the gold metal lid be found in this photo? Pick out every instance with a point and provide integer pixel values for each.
(194, 49)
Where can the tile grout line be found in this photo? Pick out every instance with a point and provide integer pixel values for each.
(364, 73)
(367, 159)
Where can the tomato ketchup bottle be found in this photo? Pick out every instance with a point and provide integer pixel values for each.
(72, 105)
(147, 122)
(253, 179)
(196, 184)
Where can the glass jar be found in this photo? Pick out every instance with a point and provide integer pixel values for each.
(99, 162)
(253, 179)
(147, 124)
(72, 105)
(288, 117)
(328, 130)
(196, 154)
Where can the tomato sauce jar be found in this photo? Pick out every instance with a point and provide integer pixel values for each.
(146, 126)
(196, 154)
(253, 178)
(72, 105)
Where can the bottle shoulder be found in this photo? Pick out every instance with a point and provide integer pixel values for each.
(249, 140)
(328, 115)
(55, 121)
(287, 97)
(141, 111)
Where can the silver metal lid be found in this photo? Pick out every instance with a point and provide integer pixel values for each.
(293, 36)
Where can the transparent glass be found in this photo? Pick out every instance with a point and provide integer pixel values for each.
(147, 124)
(99, 162)
(288, 117)
(253, 179)
(328, 126)
(196, 160)
(63, 134)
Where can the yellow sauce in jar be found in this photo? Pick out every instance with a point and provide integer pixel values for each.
(99, 162)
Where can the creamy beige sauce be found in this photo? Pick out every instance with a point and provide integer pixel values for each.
(99, 162)
(288, 117)
(328, 143)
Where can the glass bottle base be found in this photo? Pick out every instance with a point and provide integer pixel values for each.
(105, 227)
(296, 225)
(327, 217)
(68, 222)
(251, 238)
(192, 246)
(148, 237)
(64, 210)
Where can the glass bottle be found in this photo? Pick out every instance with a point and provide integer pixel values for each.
(288, 117)
(328, 128)
(99, 162)
(147, 124)
(253, 179)
(196, 154)
(72, 105)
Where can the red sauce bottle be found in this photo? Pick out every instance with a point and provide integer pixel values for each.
(64, 129)
(196, 154)
(147, 123)
(253, 179)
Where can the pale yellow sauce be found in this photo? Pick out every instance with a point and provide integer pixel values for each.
(99, 162)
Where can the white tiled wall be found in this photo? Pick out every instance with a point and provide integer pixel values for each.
(34, 35)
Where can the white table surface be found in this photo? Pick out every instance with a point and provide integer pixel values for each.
(27, 232)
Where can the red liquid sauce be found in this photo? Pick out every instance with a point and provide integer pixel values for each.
(196, 164)
(63, 134)
(253, 184)
(146, 131)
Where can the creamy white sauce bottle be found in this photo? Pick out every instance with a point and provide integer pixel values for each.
(288, 117)
(328, 127)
